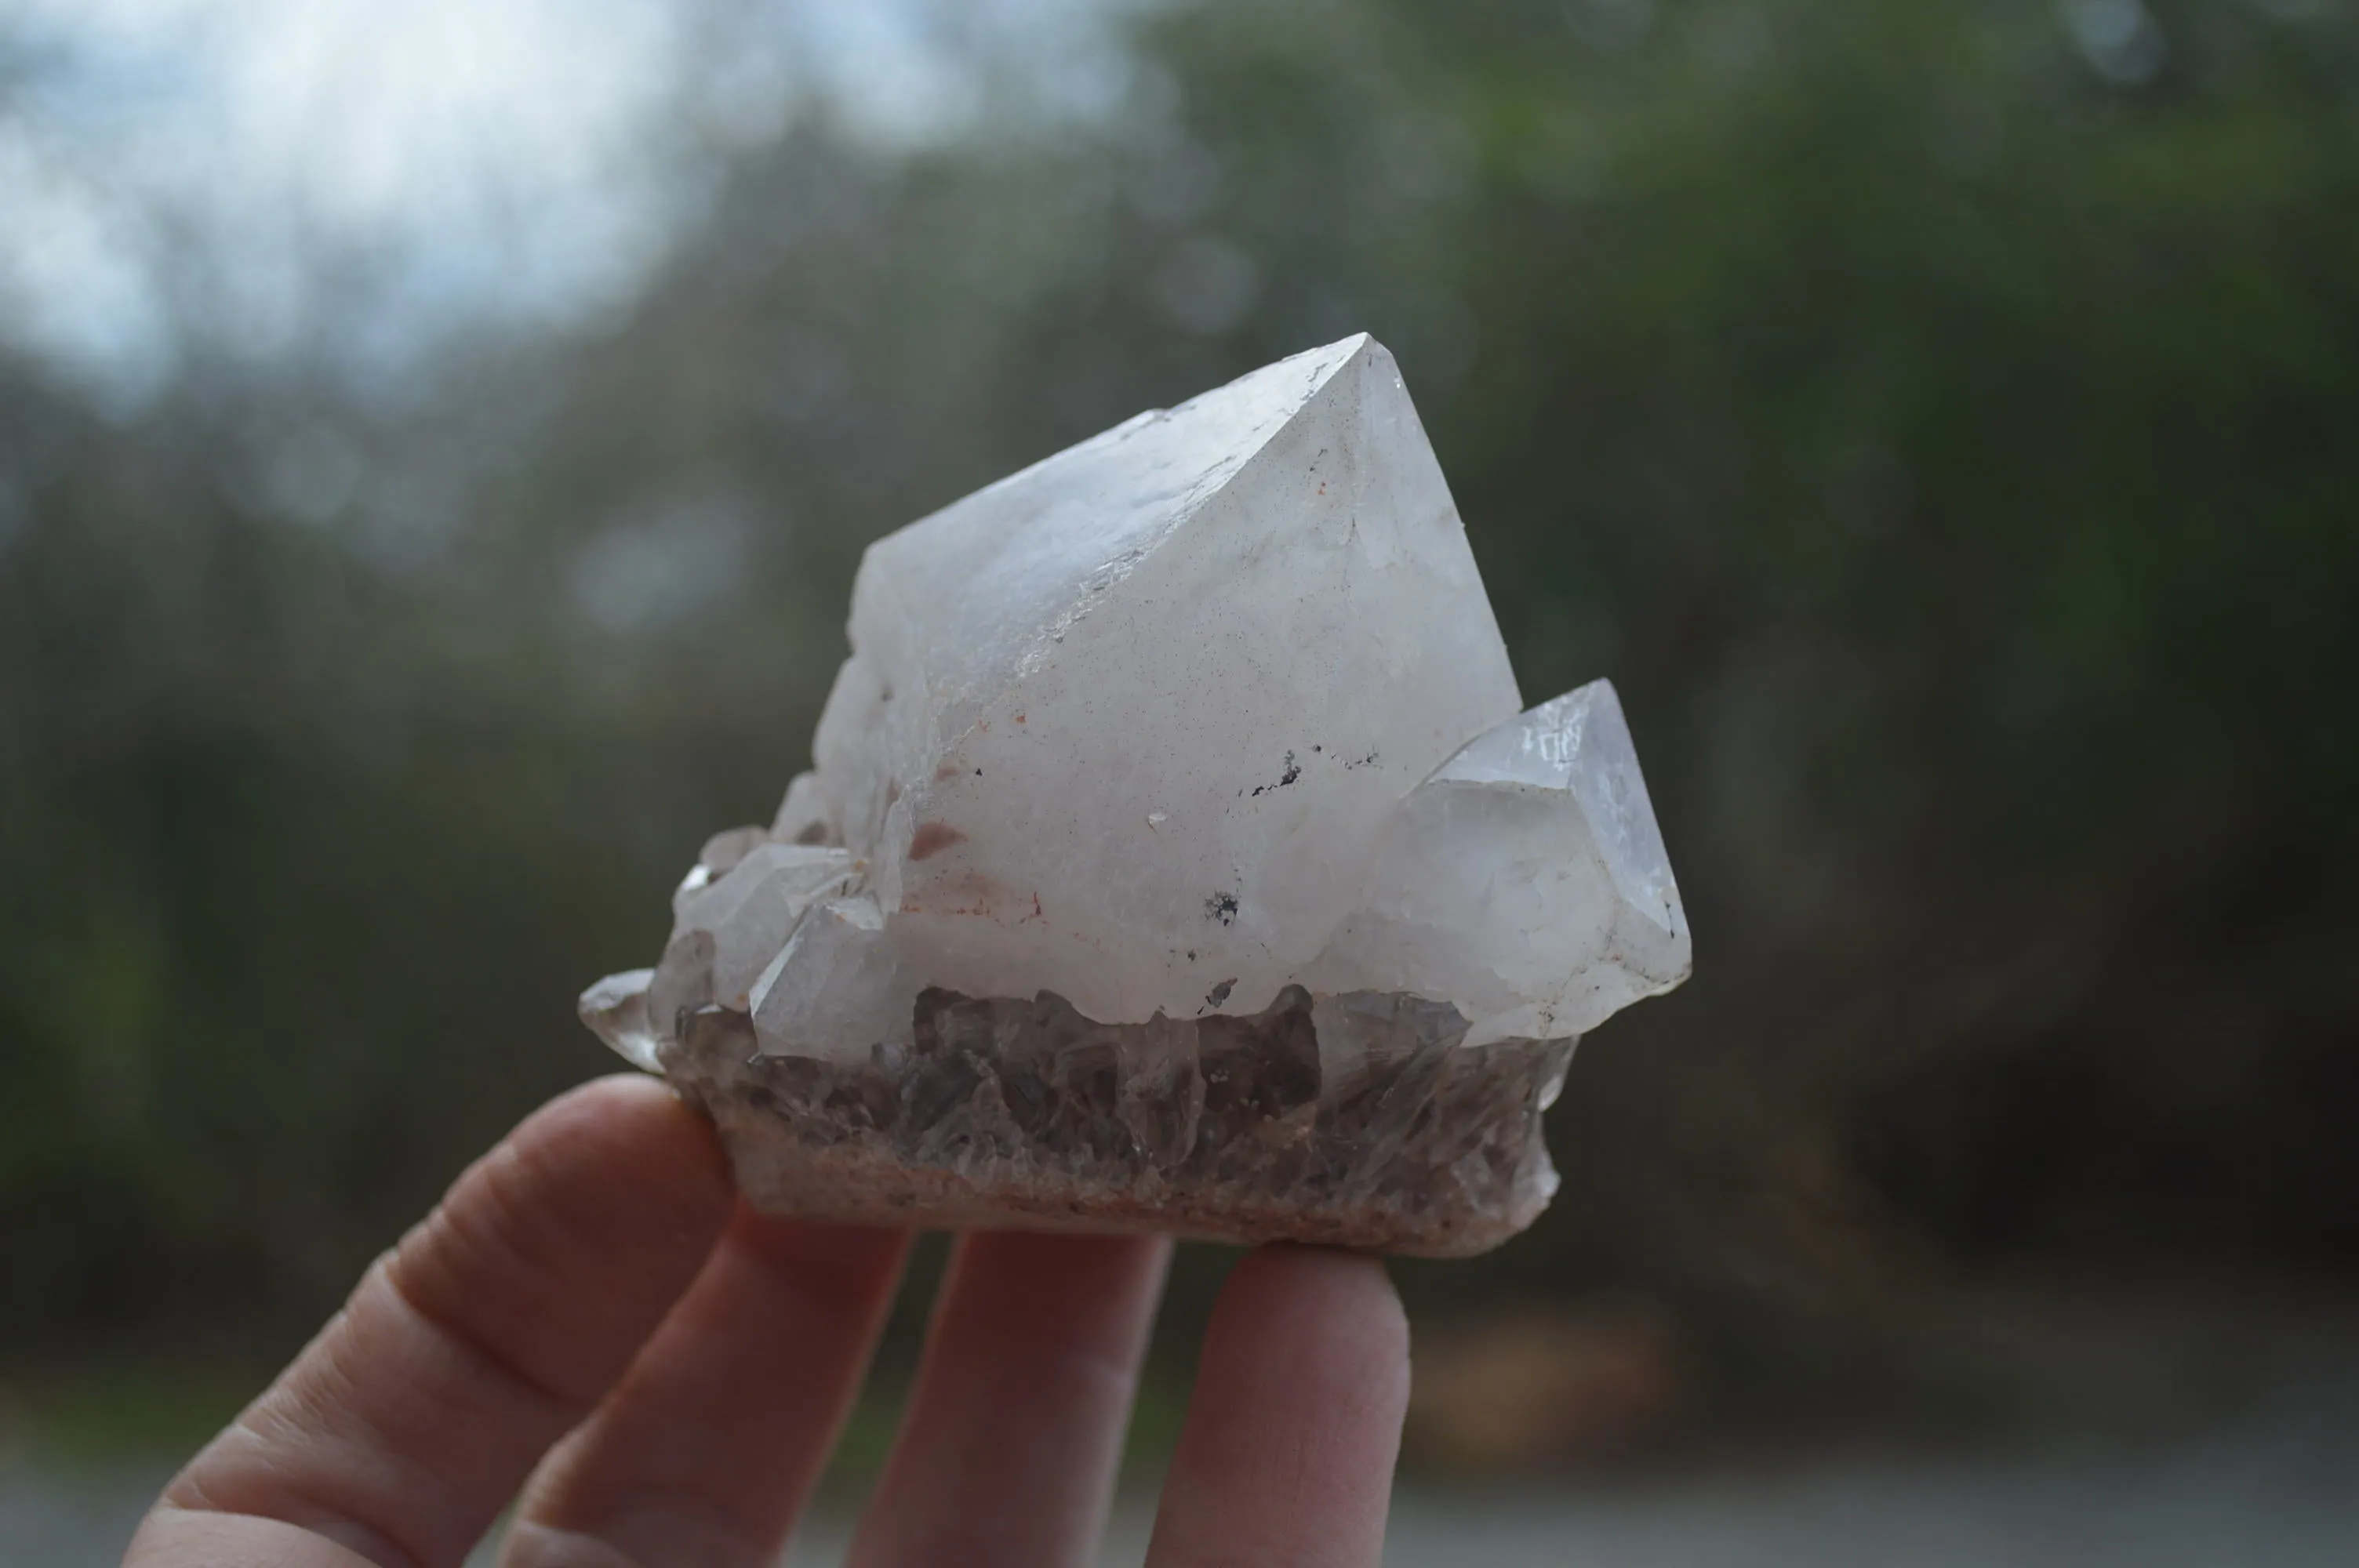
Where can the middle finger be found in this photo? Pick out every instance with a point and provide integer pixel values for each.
(1009, 1452)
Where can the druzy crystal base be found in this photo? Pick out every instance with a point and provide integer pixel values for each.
(1178, 855)
(1359, 1120)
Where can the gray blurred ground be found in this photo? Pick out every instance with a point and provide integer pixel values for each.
(2280, 1486)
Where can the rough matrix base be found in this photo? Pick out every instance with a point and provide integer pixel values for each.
(1023, 1114)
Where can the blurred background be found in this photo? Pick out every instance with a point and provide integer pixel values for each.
(436, 440)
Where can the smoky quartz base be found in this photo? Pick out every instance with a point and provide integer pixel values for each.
(1357, 1121)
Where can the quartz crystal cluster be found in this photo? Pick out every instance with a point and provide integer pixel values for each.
(1179, 855)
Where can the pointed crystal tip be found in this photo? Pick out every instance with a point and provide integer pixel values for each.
(615, 1009)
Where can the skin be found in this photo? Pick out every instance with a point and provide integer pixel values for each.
(593, 1325)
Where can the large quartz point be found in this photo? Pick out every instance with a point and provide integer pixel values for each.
(1178, 855)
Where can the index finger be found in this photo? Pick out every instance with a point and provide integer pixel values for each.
(402, 1429)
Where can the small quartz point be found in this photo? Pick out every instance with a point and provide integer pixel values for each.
(1178, 855)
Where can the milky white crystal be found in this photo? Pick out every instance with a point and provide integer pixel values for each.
(1208, 706)
(1524, 882)
(1208, 716)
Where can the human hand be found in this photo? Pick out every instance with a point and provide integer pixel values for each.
(592, 1322)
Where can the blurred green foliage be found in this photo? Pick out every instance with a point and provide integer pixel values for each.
(1936, 418)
